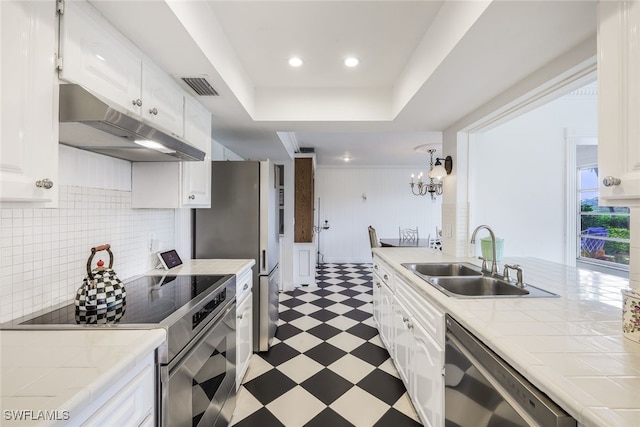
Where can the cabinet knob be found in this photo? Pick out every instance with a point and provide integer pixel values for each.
(137, 102)
(386, 277)
(245, 287)
(405, 319)
(153, 111)
(240, 316)
(409, 325)
(609, 181)
(44, 183)
(191, 197)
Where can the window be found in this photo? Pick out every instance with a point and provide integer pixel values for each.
(603, 232)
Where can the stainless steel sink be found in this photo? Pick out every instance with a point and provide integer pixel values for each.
(464, 280)
(484, 287)
(444, 269)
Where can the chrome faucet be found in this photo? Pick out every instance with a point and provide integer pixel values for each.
(518, 269)
(494, 264)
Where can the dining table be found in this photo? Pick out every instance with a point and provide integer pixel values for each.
(396, 242)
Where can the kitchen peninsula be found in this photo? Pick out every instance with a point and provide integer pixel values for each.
(570, 347)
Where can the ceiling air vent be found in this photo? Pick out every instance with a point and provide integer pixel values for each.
(200, 86)
(307, 150)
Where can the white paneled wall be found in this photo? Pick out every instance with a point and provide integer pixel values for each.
(353, 198)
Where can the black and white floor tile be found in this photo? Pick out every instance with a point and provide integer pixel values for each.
(327, 366)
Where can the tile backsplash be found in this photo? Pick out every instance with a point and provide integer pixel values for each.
(43, 252)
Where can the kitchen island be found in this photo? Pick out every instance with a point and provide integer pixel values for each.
(571, 347)
(68, 375)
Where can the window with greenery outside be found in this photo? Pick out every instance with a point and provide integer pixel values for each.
(604, 231)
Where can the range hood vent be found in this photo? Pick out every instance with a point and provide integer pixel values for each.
(89, 123)
(200, 86)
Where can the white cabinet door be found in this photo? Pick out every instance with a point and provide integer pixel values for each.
(377, 285)
(427, 381)
(244, 336)
(196, 176)
(619, 102)
(98, 57)
(29, 109)
(163, 100)
(386, 318)
(403, 342)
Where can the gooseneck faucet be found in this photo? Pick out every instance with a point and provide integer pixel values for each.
(494, 264)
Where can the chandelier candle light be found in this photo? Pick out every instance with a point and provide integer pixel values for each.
(436, 172)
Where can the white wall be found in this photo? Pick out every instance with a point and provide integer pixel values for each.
(388, 205)
(45, 251)
(517, 177)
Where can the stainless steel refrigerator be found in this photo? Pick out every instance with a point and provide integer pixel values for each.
(243, 223)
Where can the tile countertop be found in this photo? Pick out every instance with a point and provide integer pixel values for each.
(207, 266)
(571, 347)
(67, 370)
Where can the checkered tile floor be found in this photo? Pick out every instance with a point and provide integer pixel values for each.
(327, 366)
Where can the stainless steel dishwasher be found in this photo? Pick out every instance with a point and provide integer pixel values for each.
(482, 390)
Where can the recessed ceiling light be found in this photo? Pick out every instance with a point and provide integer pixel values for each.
(346, 158)
(295, 61)
(351, 61)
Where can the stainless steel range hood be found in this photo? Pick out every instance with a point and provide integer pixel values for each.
(87, 122)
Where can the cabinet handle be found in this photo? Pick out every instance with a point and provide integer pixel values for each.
(153, 111)
(378, 284)
(410, 325)
(137, 102)
(44, 183)
(245, 287)
(405, 319)
(191, 197)
(240, 316)
(609, 181)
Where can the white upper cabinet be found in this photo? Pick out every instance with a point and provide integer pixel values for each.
(99, 58)
(29, 109)
(177, 184)
(619, 103)
(196, 176)
(162, 100)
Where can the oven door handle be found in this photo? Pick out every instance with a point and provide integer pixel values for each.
(201, 335)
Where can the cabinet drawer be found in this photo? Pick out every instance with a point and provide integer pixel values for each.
(427, 314)
(384, 272)
(244, 283)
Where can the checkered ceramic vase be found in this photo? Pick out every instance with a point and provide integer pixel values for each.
(101, 290)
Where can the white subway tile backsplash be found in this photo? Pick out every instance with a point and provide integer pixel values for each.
(44, 251)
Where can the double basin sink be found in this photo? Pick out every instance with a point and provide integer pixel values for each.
(464, 280)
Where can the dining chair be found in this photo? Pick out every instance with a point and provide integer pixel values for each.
(408, 234)
(373, 238)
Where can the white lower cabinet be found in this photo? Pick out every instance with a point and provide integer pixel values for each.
(412, 329)
(386, 318)
(244, 324)
(426, 378)
(129, 402)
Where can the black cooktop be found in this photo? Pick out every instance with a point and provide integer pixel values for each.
(150, 299)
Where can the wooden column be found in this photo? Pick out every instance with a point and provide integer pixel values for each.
(303, 205)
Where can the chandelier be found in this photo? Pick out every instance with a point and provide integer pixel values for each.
(436, 172)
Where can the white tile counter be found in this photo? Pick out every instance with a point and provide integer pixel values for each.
(571, 347)
(207, 266)
(66, 370)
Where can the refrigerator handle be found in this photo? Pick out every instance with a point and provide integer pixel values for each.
(264, 260)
